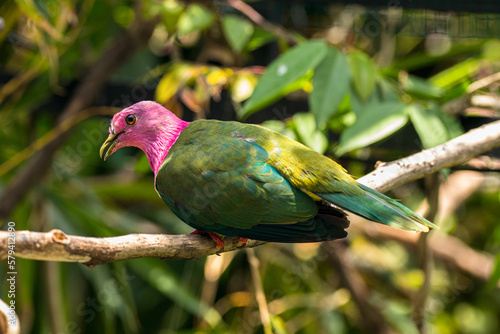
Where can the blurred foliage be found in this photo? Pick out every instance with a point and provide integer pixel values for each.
(339, 89)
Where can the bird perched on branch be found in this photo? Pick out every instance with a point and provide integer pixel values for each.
(235, 179)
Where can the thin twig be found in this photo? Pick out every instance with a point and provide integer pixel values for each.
(483, 82)
(259, 291)
(370, 318)
(425, 252)
(258, 19)
(446, 248)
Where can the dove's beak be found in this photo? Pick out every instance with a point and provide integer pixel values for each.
(110, 141)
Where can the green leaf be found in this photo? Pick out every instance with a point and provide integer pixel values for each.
(387, 91)
(171, 11)
(279, 126)
(330, 85)
(243, 87)
(491, 50)
(456, 74)
(451, 124)
(455, 92)
(364, 74)
(111, 296)
(495, 275)
(196, 17)
(358, 105)
(421, 88)
(282, 72)
(259, 38)
(237, 31)
(159, 276)
(274, 125)
(373, 124)
(171, 81)
(305, 125)
(430, 128)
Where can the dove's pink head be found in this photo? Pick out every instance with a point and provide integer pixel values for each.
(148, 126)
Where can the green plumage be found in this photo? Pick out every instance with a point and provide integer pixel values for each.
(245, 180)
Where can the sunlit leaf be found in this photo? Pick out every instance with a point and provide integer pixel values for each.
(282, 72)
(171, 81)
(305, 125)
(422, 59)
(372, 125)
(243, 87)
(330, 84)
(218, 76)
(278, 325)
(171, 11)
(456, 74)
(363, 74)
(428, 125)
(195, 18)
(237, 31)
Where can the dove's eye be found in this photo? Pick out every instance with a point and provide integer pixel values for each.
(130, 119)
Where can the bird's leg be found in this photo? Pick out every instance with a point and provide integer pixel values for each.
(215, 237)
(242, 242)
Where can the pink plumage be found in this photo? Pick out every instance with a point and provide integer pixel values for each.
(155, 133)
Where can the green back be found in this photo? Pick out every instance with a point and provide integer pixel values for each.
(224, 175)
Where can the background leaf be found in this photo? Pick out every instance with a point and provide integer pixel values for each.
(429, 126)
(363, 74)
(456, 74)
(285, 70)
(372, 125)
(421, 88)
(160, 277)
(237, 31)
(195, 18)
(171, 81)
(330, 84)
(305, 125)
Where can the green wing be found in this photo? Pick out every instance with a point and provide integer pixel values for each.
(219, 181)
(322, 178)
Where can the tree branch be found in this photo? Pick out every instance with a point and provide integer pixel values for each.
(57, 246)
(7, 325)
(446, 248)
(454, 152)
(258, 19)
